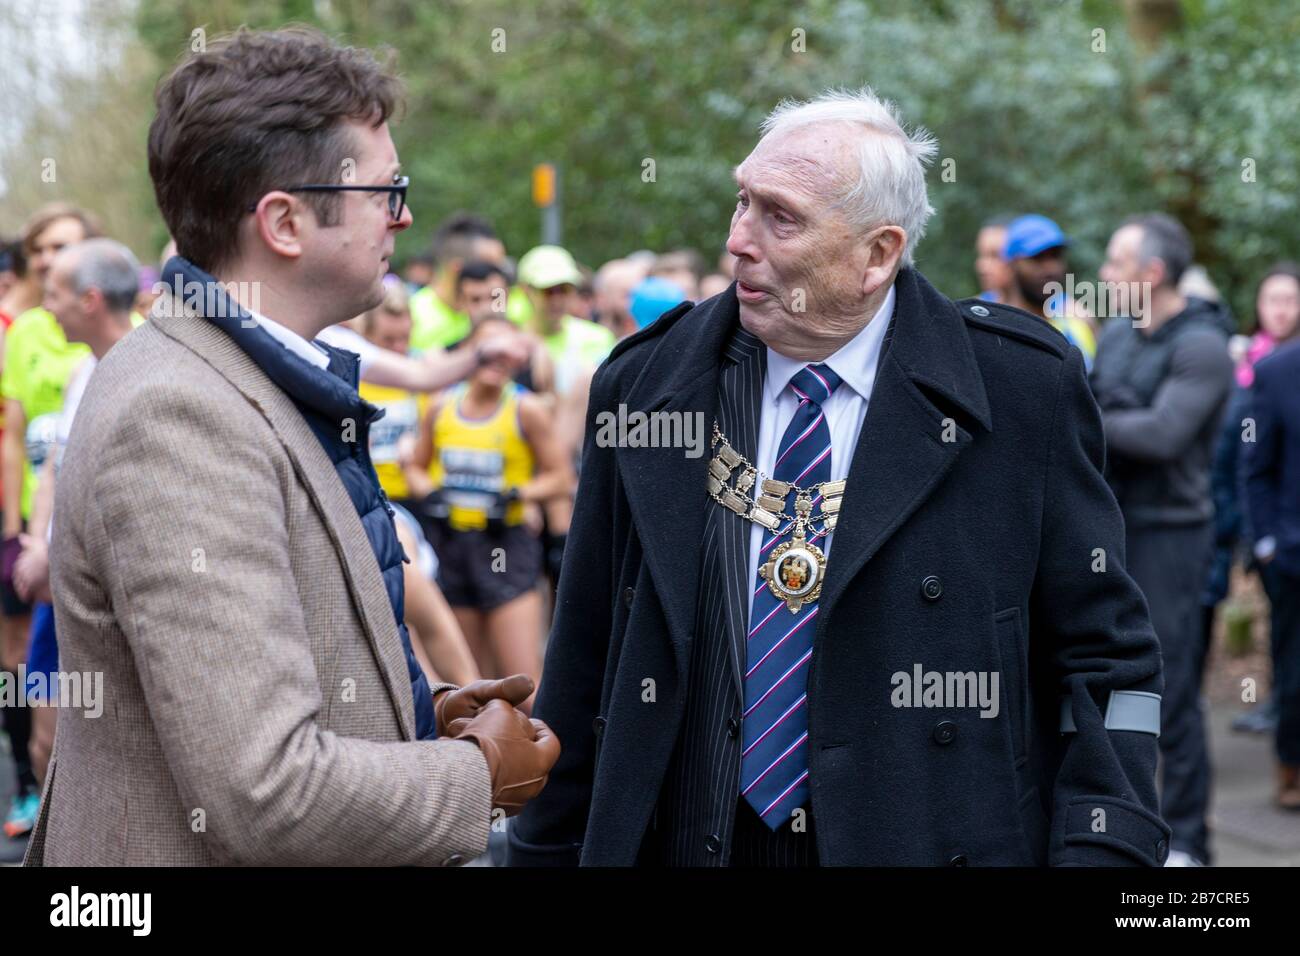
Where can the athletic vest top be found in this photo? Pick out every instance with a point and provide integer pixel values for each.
(476, 459)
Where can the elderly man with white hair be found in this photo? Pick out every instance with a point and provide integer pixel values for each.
(886, 620)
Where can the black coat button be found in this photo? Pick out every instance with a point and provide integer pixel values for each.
(733, 728)
(628, 594)
(944, 732)
(598, 725)
(1162, 850)
(713, 843)
(931, 588)
(958, 860)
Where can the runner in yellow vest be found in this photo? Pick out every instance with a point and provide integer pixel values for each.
(481, 462)
(492, 458)
(437, 640)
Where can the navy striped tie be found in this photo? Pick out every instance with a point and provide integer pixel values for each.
(774, 762)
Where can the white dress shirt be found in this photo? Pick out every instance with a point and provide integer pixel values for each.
(855, 363)
(292, 340)
(342, 337)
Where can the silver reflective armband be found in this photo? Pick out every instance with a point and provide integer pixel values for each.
(1135, 710)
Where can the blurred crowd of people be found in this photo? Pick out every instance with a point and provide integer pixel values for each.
(1202, 427)
(1202, 424)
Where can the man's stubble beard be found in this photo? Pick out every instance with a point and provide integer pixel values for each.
(1033, 292)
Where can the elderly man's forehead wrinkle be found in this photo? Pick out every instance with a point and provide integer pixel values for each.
(805, 167)
(789, 169)
(821, 141)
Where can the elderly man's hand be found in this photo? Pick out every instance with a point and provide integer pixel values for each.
(464, 703)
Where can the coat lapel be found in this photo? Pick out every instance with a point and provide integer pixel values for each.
(666, 489)
(902, 454)
(740, 403)
(179, 321)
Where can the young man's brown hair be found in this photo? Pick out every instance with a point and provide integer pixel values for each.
(255, 112)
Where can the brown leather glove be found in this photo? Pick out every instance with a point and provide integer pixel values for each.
(469, 700)
(519, 752)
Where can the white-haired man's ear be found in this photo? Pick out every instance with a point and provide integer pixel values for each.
(885, 245)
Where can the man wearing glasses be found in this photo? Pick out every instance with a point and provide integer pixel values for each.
(223, 553)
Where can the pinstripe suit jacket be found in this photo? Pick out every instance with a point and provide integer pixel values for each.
(208, 562)
(700, 790)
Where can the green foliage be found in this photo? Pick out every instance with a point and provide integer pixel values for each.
(75, 123)
(1032, 113)
(1233, 98)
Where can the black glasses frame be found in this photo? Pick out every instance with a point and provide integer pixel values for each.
(396, 193)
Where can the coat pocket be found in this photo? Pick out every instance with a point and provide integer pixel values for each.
(1014, 690)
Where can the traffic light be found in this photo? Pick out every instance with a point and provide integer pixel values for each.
(543, 185)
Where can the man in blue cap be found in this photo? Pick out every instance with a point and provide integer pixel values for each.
(1036, 251)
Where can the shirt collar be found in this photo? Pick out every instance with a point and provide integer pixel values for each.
(292, 340)
(855, 361)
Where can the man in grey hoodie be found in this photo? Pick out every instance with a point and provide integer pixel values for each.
(1162, 378)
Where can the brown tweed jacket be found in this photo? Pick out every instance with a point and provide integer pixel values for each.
(256, 708)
